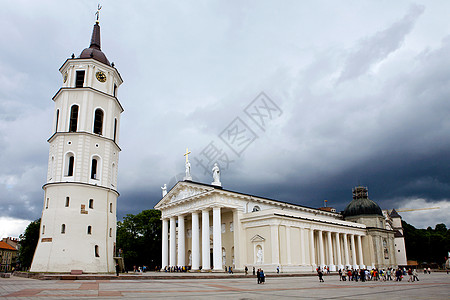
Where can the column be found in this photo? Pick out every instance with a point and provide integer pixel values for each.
(173, 238)
(165, 243)
(346, 256)
(338, 252)
(330, 253)
(288, 245)
(312, 250)
(352, 241)
(302, 247)
(217, 240)
(206, 265)
(181, 242)
(236, 237)
(195, 242)
(321, 250)
(360, 252)
(275, 241)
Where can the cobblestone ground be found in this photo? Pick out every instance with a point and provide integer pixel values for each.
(433, 286)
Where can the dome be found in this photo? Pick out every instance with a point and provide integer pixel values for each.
(361, 204)
(94, 51)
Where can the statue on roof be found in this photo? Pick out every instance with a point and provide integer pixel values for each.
(216, 175)
(164, 190)
(188, 166)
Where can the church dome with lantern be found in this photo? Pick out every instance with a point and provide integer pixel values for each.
(361, 204)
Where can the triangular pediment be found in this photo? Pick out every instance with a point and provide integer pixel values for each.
(257, 238)
(181, 191)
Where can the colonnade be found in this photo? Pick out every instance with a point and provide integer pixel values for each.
(334, 257)
(171, 258)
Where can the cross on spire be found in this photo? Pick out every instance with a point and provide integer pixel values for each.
(187, 154)
(98, 12)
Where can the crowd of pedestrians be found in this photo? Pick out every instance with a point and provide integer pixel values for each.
(374, 274)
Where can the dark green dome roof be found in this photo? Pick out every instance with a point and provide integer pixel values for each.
(361, 204)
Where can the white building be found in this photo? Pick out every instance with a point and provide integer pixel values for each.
(78, 223)
(207, 227)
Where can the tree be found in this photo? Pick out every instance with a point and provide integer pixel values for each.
(427, 245)
(28, 242)
(139, 237)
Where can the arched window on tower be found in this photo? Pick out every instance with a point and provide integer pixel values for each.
(63, 228)
(89, 229)
(73, 118)
(113, 174)
(115, 129)
(91, 203)
(67, 201)
(57, 120)
(98, 121)
(70, 163)
(94, 168)
(96, 251)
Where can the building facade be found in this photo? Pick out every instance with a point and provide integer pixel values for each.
(78, 223)
(8, 257)
(207, 228)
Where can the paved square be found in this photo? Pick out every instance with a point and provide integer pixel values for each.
(434, 286)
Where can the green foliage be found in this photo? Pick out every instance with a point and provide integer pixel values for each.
(139, 236)
(28, 243)
(427, 245)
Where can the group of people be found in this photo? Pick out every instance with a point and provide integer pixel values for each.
(176, 269)
(260, 276)
(374, 274)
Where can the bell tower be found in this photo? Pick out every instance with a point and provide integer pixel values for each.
(78, 223)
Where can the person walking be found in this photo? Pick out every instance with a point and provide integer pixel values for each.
(253, 271)
(258, 276)
(262, 276)
(246, 270)
(415, 275)
(388, 272)
(320, 274)
(117, 269)
(410, 279)
(340, 275)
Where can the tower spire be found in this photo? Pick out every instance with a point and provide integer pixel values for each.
(95, 39)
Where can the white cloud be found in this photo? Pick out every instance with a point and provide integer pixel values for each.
(426, 217)
(12, 227)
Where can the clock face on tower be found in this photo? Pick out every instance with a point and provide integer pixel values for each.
(100, 76)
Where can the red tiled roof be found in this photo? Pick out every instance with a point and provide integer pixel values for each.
(4, 245)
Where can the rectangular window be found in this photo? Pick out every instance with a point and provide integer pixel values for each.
(46, 205)
(79, 82)
(67, 201)
(91, 203)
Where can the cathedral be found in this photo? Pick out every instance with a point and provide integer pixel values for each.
(206, 227)
(78, 223)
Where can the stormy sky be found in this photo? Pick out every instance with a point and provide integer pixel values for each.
(298, 101)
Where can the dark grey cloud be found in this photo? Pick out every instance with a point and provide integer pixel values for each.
(373, 49)
(363, 89)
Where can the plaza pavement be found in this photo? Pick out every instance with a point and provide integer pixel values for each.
(433, 286)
